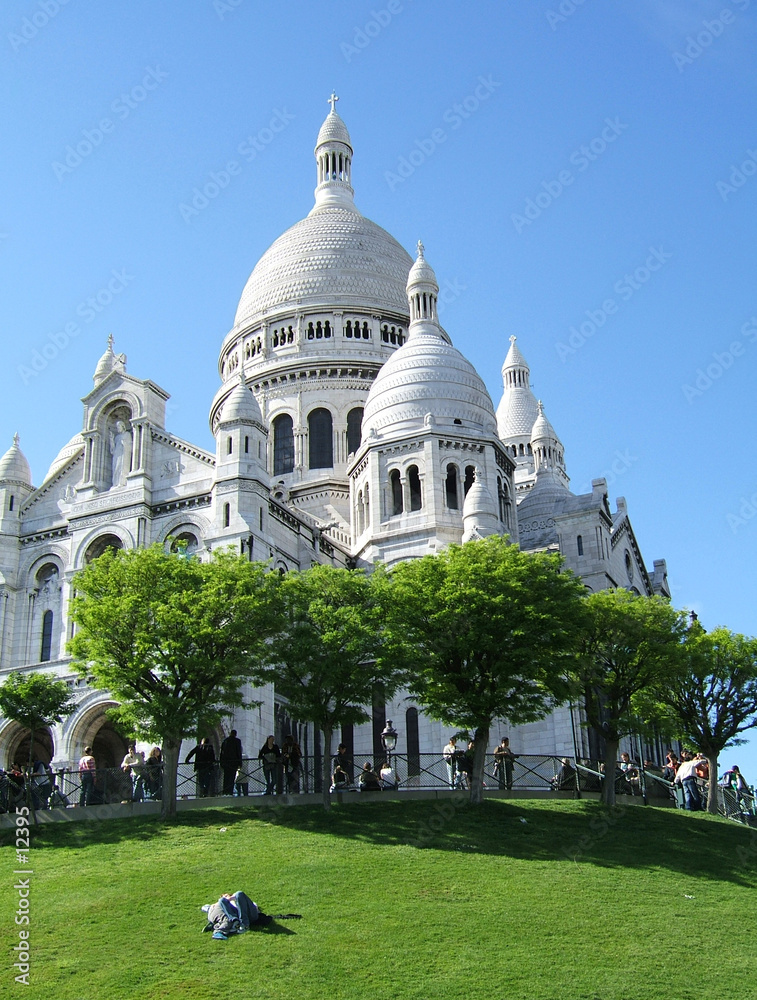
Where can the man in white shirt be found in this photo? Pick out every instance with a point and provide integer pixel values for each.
(448, 753)
(686, 777)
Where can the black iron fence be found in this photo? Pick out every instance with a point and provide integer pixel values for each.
(525, 772)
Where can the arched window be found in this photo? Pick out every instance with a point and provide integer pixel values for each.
(283, 445)
(414, 480)
(226, 515)
(99, 545)
(11, 501)
(354, 424)
(47, 636)
(450, 488)
(320, 439)
(580, 543)
(229, 445)
(396, 487)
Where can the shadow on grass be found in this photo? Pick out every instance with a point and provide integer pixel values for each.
(628, 837)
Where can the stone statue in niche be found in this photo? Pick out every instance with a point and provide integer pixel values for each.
(120, 450)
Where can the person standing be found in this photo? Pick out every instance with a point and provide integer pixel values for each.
(292, 754)
(686, 778)
(503, 764)
(450, 758)
(205, 762)
(270, 755)
(87, 767)
(231, 760)
(135, 760)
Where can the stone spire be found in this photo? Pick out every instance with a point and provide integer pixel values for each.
(547, 449)
(333, 154)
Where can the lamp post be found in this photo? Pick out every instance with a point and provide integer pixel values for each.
(389, 740)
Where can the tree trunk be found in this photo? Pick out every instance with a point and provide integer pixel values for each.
(611, 760)
(712, 796)
(171, 746)
(326, 778)
(481, 741)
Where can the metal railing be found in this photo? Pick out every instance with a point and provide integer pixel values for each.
(422, 772)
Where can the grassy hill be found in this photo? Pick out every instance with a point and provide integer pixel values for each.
(538, 900)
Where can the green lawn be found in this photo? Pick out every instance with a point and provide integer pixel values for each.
(566, 906)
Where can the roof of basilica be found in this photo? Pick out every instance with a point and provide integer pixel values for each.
(427, 379)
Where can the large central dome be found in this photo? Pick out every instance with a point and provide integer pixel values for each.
(333, 257)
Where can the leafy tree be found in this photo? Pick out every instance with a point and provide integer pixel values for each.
(34, 701)
(631, 644)
(173, 639)
(486, 631)
(712, 696)
(324, 659)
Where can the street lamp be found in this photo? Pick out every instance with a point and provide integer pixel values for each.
(389, 739)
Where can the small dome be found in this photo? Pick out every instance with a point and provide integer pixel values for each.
(518, 409)
(333, 130)
(67, 452)
(108, 362)
(478, 500)
(542, 429)
(241, 405)
(14, 467)
(421, 273)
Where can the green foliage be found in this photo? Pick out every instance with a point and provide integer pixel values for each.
(631, 644)
(35, 700)
(712, 695)
(485, 631)
(324, 659)
(173, 639)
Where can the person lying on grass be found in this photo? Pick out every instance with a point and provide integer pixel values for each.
(235, 913)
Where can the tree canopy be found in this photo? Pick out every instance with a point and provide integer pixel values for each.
(711, 697)
(324, 658)
(172, 639)
(34, 701)
(631, 643)
(484, 631)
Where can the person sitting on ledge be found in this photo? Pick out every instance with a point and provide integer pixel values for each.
(388, 777)
(340, 781)
(369, 780)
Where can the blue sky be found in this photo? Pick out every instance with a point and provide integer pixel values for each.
(583, 176)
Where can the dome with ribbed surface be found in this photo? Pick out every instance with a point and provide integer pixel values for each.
(334, 257)
(518, 409)
(67, 452)
(241, 405)
(427, 375)
(333, 130)
(14, 467)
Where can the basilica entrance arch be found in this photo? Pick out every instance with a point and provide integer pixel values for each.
(15, 739)
(94, 729)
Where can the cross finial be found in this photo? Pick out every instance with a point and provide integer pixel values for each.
(421, 249)
(332, 101)
(110, 341)
(513, 338)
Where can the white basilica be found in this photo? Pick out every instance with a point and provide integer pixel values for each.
(348, 430)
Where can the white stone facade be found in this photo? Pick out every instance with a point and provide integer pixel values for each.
(348, 430)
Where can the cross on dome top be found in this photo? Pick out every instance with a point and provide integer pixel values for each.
(332, 101)
(421, 249)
